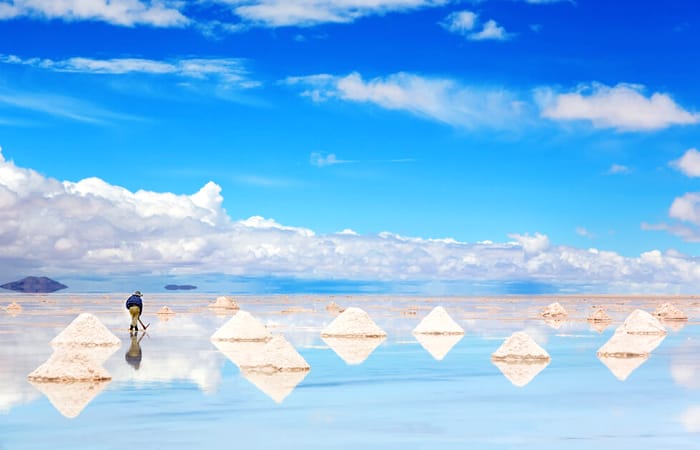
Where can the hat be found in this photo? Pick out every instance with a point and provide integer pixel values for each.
(138, 293)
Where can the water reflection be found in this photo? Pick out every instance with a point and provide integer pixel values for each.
(438, 345)
(353, 350)
(275, 384)
(623, 353)
(70, 398)
(622, 367)
(520, 373)
(133, 355)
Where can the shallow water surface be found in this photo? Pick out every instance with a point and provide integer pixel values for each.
(173, 388)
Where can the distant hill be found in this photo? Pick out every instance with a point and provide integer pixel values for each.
(180, 287)
(34, 285)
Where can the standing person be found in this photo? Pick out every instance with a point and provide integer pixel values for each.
(135, 307)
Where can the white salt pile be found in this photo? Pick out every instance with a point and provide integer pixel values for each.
(353, 350)
(519, 347)
(669, 311)
(65, 365)
(276, 385)
(334, 308)
(86, 330)
(521, 373)
(438, 322)
(554, 310)
(438, 345)
(599, 315)
(641, 322)
(224, 303)
(165, 311)
(242, 327)
(353, 322)
(70, 399)
(241, 353)
(273, 355)
(14, 308)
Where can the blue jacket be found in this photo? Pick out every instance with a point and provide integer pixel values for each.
(134, 300)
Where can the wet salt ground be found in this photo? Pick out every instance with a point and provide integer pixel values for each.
(186, 393)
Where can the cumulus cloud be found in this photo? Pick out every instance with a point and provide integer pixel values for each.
(689, 163)
(128, 13)
(618, 169)
(99, 228)
(229, 71)
(623, 107)
(464, 24)
(279, 13)
(438, 99)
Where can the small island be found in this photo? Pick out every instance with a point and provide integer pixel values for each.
(180, 287)
(42, 285)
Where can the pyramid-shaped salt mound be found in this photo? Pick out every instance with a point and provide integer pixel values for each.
(165, 311)
(224, 303)
(624, 345)
(14, 308)
(554, 310)
(622, 368)
(438, 322)
(521, 373)
(669, 311)
(519, 347)
(599, 315)
(241, 353)
(438, 345)
(276, 385)
(242, 327)
(353, 322)
(641, 322)
(86, 330)
(334, 308)
(71, 398)
(66, 365)
(353, 350)
(275, 354)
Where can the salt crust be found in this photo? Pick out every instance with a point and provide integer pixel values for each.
(353, 350)
(521, 373)
(641, 322)
(273, 355)
(71, 398)
(554, 310)
(224, 303)
(165, 311)
(668, 311)
(86, 330)
(242, 327)
(438, 322)
(520, 347)
(276, 385)
(353, 322)
(599, 315)
(438, 345)
(66, 365)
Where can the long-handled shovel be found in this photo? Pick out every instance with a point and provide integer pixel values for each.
(145, 327)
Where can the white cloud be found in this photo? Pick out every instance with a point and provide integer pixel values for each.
(118, 12)
(99, 228)
(689, 163)
(584, 232)
(228, 71)
(464, 22)
(443, 100)
(623, 107)
(618, 169)
(690, 418)
(278, 13)
(491, 32)
(322, 159)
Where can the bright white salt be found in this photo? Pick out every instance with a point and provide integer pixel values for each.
(353, 350)
(224, 303)
(641, 322)
(520, 346)
(669, 311)
(438, 322)
(353, 322)
(242, 327)
(65, 366)
(86, 330)
(554, 310)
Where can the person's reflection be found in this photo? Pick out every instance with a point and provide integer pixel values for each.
(133, 355)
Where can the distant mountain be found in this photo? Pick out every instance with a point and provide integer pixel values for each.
(34, 285)
(180, 287)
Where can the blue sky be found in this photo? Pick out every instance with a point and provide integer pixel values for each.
(492, 121)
